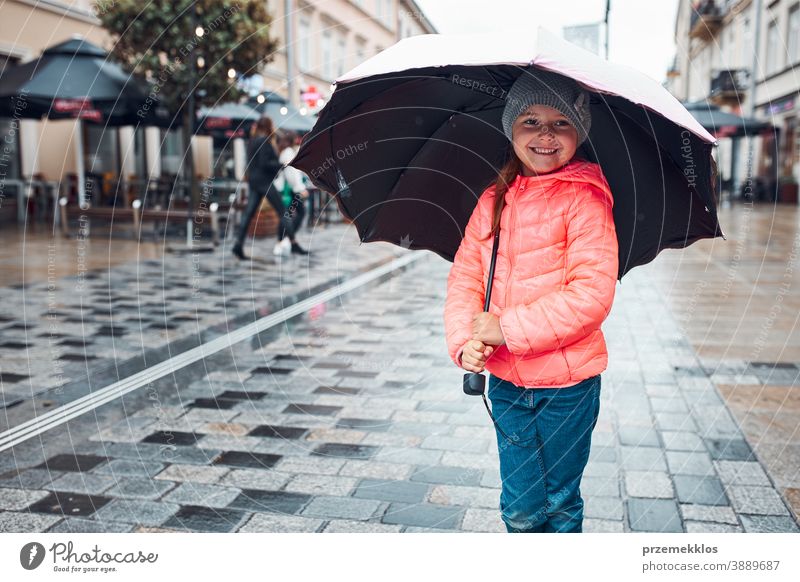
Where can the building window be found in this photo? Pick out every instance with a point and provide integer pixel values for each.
(773, 46)
(223, 158)
(341, 57)
(9, 152)
(327, 53)
(140, 153)
(100, 151)
(304, 43)
(361, 51)
(794, 34)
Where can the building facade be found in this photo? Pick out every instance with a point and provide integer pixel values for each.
(717, 60)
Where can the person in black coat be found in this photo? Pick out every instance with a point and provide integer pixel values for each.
(262, 167)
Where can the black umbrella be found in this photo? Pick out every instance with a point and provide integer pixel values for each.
(723, 124)
(409, 140)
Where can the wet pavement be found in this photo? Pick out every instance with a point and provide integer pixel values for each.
(350, 417)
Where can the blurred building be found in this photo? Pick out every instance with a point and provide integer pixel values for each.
(326, 38)
(715, 49)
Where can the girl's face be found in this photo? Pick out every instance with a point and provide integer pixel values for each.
(544, 140)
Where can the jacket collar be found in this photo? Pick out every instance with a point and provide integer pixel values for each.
(550, 184)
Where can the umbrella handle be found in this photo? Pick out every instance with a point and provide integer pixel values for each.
(474, 384)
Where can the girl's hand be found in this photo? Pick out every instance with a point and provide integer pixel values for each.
(474, 354)
(486, 328)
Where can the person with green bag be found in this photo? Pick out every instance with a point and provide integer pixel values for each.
(289, 182)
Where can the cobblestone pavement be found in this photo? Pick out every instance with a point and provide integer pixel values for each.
(351, 418)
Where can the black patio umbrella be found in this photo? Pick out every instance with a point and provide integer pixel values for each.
(283, 114)
(411, 138)
(74, 79)
(724, 124)
(228, 120)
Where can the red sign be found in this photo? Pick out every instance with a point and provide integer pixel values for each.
(217, 122)
(80, 108)
(311, 96)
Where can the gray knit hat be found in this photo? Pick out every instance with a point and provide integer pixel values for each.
(539, 87)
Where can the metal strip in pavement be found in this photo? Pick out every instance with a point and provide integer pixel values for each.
(62, 414)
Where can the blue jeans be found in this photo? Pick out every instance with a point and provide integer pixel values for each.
(541, 482)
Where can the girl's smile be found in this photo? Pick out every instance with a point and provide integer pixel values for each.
(544, 140)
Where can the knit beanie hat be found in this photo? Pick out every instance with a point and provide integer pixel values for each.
(539, 87)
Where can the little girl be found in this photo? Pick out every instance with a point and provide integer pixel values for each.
(554, 283)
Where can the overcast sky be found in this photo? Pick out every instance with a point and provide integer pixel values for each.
(642, 33)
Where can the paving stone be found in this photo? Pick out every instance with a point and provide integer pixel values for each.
(603, 454)
(447, 475)
(129, 468)
(202, 494)
(276, 523)
(140, 488)
(86, 483)
(68, 462)
(387, 490)
(682, 441)
(767, 524)
(756, 500)
(206, 519)
(719, 514)
(638, 436)
(483, 520)
(446, 443)
(602, 526)
(424, 515)
(31, 479)
(675, 404)
(336, 435)
(346, 526)
(650, 484)
(729, 449)
(469, 460)
(464, 496)
(247, 460)
(339, 450)
(18, 499)
(193, 473)
(602, 486)
(600, 469)
(706, 527)
(392, 439)
(341, 507)
(136, 511)
(255, 479)
(314, 465)
(321, 484)
(700, 490)
(674, 421)
(603, 508)
(643, 459)
(78, 525)
(12, 522)
(654, 515)
(686, 463)
(256, 500)
(742, 473)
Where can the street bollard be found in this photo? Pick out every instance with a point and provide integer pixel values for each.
(136, 205)
(214, 209)
(62, 203)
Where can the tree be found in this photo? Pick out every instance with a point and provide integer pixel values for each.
(191, 51)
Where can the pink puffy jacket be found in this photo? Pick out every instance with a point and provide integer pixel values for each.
(554, 278)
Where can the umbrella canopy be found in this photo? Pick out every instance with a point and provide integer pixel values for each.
(411, 138)
(73, 79)
(283, 114)
(723, 124)
(229, 120)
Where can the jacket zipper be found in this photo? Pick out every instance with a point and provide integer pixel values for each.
(511, 207)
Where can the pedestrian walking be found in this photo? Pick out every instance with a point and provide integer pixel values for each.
(554, 283)
(262, 167)
(294, 194)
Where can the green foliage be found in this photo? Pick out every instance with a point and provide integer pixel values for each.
(156, 39)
